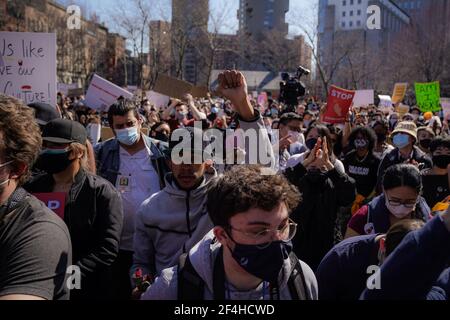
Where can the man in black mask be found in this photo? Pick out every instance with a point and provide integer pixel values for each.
(436, 183)
(248, 254)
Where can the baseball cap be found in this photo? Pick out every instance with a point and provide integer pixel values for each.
(64, 131)
(407, 127)
(44, 112)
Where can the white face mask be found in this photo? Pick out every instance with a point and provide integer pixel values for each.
(4, 165)
(400, 211)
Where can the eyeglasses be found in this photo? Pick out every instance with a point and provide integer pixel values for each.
(287, 233)
(407, 204)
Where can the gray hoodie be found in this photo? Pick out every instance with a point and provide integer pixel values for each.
(168, 224)
(202, 257)
(172, 221)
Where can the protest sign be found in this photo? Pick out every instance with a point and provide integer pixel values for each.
(55, 201)
(402, 109)
(157, 99)
(428, 96)
(176, 88)
(172, 87)
(75, 92)
(445, 103)
(338, 104)
(102, 93)
(199, 92)
(132, 89)
(363, 98)
(385, 102)
(399, 92)
(64, 87)
(28, 66)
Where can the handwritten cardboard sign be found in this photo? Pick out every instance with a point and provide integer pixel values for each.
(338, 104)
(102, 94)
(399, 92)
(55, 201)
(28, 66)
(176, 88)
(428, 96)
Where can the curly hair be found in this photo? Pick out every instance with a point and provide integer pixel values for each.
(366, 132)
(245, 187)
(20, 136)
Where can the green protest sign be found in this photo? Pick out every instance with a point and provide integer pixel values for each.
(428, 96)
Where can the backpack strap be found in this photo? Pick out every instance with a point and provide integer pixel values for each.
(296, 282)
(190, 284)
(192, 287)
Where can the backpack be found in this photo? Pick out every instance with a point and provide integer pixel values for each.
(191, 286)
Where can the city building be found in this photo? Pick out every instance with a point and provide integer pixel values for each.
(350, 51)
(257, 16)
(189, 34)
(160, 47)
(80, 52)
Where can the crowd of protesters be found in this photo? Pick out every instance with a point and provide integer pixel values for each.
(139, 224)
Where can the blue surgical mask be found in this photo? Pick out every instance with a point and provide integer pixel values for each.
(401, 140)
(264, 263)
(127, 136)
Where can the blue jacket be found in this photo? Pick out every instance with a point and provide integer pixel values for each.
(412, 270)
(107, 155)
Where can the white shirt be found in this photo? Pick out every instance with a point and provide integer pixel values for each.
(142, 181)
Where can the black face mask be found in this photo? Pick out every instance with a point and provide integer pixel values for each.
(161, 137)
(264, 264)
(53, 163)
(425, 143)
(441, 161)
(381, 137)
(311, 143)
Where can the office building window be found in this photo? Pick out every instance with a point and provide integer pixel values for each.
(351, 2)
(350, 24)
(359, 12)
(358, 23)
(343, 24)
(344, 3)
(351, 13)
(343, 13)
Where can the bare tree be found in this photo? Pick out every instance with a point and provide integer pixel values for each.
(132, 21)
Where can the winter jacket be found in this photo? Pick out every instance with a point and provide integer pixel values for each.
(168, 224)
(316, 214)
(93, 214)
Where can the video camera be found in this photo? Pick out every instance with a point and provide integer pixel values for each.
(291, 88)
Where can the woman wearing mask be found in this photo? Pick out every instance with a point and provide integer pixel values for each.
(93, 207)
(325, 187)
(393, 120)
(160, 131)
(381, 129)
(425, 135)
(402, 186)
(362, 165)
(436, 183)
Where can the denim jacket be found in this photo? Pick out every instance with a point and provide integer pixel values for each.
(107, 155)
